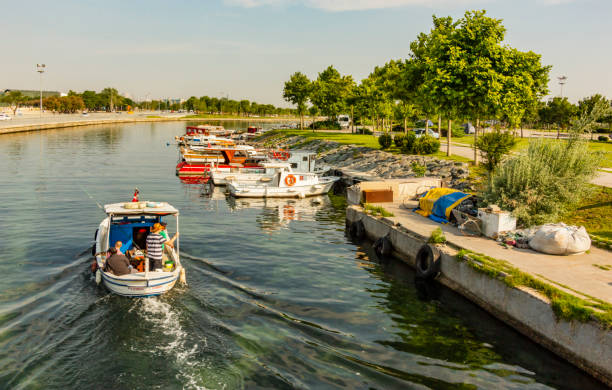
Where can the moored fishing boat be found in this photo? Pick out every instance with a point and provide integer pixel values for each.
(130, 223)
(284, 184)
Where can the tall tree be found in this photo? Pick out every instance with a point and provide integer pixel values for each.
(297, 91)
(15, 99)
(330, 92)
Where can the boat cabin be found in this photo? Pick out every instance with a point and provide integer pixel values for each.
(131, 224)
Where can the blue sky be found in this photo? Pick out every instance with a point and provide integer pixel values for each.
(248, 48)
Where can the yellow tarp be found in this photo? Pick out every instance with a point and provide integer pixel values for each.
(426, 203)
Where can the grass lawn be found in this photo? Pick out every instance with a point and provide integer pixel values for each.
(595, 213)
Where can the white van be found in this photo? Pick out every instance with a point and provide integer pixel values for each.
(344, 121)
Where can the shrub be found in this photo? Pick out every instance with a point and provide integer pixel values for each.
(384, 140)
(328, 124)
(399, 140)
(409, 140)
(426, 144)
(494, 146)
(418, 169)
(364, 131)
(544, 182)
(602, 138)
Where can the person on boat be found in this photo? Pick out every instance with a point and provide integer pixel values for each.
(118, 264)
(154, 246)
(117, 246)
(135, 197)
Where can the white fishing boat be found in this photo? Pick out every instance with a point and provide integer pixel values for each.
(247, 175)
(284, 184)
(130, 223)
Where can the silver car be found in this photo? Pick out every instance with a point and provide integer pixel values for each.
(430, 132)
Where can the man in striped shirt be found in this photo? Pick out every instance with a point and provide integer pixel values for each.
(154, 246)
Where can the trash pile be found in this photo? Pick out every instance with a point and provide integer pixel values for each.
(554, 239)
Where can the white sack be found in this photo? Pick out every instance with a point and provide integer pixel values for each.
(560, 239)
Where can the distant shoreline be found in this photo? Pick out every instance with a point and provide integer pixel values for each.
(78, 123)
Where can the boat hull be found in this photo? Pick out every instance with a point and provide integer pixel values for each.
(262, 191)
(137, 285)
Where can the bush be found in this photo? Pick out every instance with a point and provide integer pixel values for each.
(409, 140)
(544, 182)
(418, 169)
(426, 144)
(399, 140)
(602, 138)
(364, 131)
(384, 140)
(328, 124)
(494, 146)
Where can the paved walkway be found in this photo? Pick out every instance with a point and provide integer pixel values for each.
(576, 272)
(603, 178)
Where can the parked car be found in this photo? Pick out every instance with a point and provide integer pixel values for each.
(421, 123)
(5, 117)
(430, 132)
(469, 128)
(85, 113)
(344, 121)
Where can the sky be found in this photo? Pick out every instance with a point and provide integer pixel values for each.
(247, 49)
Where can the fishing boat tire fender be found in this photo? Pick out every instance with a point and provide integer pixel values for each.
(427, 262)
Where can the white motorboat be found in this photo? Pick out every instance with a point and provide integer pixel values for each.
(284, 184)
(130, 223)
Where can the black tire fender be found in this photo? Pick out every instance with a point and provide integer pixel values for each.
(427, 262)
(357, 230)
(383, 246)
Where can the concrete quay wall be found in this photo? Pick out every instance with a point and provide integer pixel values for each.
(586, 345)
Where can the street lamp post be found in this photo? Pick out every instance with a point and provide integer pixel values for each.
(562, 81)
(40, 68)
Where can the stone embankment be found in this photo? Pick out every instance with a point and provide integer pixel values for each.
(375, 163)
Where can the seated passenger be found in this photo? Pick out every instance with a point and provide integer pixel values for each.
(118, 246)
(118, 264)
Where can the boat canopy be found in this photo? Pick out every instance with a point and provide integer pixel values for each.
(163, 208)
(276, 165)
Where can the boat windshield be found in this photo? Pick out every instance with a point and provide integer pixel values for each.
(131, 230)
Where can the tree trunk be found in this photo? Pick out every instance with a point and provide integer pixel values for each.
(405, 125)
(440, 125)
(352, 120)
(475, 140)
(521, 130)
(301, 121)
(448, 135)
(426, 125)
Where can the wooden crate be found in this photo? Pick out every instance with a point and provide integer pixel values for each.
(378, 196)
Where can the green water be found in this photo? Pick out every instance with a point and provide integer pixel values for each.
(278, 296)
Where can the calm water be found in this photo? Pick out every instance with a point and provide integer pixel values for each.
(278, 297)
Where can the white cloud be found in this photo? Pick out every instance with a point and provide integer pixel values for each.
(353, 5)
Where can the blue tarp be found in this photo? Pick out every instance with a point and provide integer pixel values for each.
(124, 232)
(438, 203)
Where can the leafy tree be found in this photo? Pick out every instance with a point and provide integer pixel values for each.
(558, 111)
(14, 99)
(297, 91)
(494, 146)
(591, 110)
(330, 92)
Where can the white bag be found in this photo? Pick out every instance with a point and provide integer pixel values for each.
(560, 239)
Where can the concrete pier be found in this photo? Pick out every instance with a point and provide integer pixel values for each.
(587, 345)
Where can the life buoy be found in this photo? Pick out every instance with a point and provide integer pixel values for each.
(290, 180)
(427, 262)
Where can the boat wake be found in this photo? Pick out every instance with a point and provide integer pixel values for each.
(173, 341)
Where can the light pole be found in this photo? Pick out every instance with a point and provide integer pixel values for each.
(562, 81)
(40, 68)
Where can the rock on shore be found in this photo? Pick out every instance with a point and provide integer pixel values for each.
(373, 162)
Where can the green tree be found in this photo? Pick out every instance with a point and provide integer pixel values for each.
(558, 111)
(330, 92)
(14, 99)
(494, 146)
(591, 110)
(297, 91)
